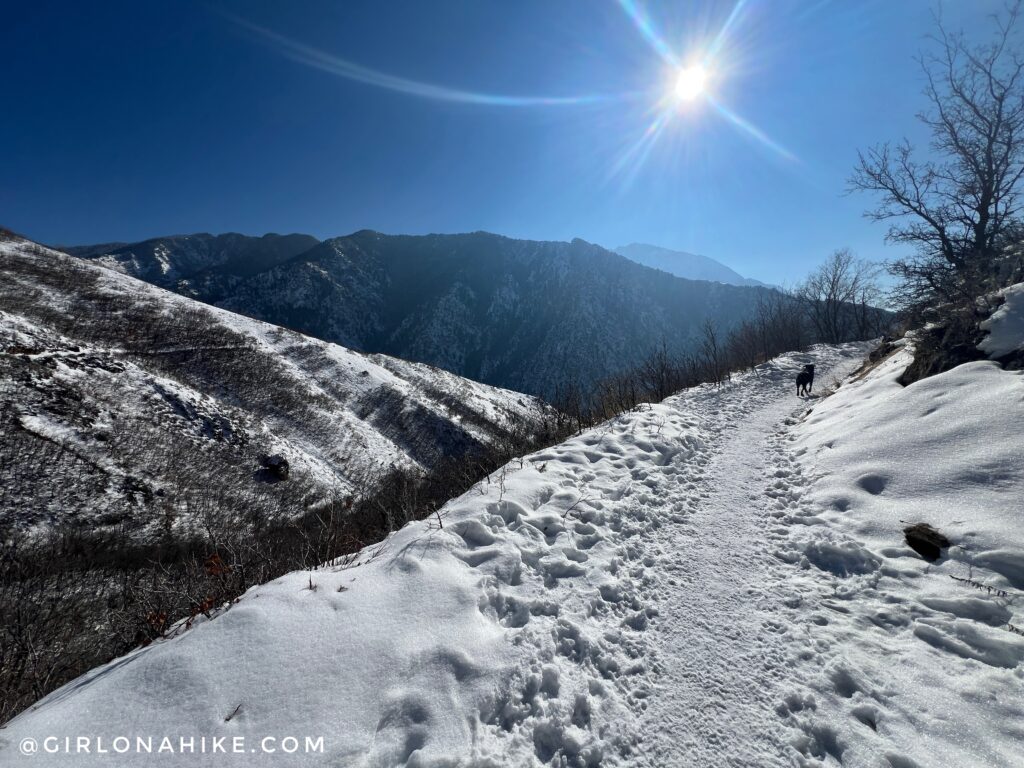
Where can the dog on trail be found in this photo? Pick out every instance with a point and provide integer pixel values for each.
(805, 380)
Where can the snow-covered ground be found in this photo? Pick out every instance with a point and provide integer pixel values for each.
(144, 387)
(720, 579)
(915, 666)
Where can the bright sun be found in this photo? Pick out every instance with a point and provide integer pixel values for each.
(690, 82)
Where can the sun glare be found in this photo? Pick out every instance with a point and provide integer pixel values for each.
(691, 82)
(687, 94)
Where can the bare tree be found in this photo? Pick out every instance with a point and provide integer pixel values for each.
(712, 352)
(659, 375)
(780, 323)
(744, 345)
(959, 209)
(868, 319)
(837, 297)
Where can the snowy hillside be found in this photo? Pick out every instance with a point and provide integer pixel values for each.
(920, 663)
(1004, 330)
(539, 623)
(140, 401)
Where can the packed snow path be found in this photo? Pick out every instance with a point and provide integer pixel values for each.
(688, 584)
(721, 644)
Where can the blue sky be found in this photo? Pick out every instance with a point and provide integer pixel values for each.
(128, 120)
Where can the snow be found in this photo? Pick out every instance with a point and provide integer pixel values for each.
(365, 374)
(160, 253)
(720, 579)
(1006, 325)
(932, 664)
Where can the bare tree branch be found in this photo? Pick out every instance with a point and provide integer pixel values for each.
(960, 209)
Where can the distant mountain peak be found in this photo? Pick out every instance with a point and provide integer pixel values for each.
(692, 266)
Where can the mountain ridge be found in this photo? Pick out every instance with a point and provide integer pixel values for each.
(523, 314)
(190, 264)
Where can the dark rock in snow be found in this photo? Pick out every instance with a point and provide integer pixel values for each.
(275, 466)
(926, 541)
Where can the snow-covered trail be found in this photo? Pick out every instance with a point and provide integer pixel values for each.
(722, 651)
(720, 579)
(716, 637)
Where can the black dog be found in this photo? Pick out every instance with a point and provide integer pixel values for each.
(805, 380)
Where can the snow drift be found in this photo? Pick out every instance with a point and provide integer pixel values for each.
(1005, 328)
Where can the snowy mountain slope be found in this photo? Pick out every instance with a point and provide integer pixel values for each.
(512, 313)
(141, 401)
(199, 264)
(681, 264)
(719, 579)
(525, 631)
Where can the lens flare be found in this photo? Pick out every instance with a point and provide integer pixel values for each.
(646, 27)
(349, 70)
(754, 132)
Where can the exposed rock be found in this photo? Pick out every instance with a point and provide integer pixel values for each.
(926, 541)
(275, 466)
(950, 340)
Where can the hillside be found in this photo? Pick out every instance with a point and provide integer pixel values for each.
(125, 406)
(520, 314)
(722, 578)
(682, 264)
